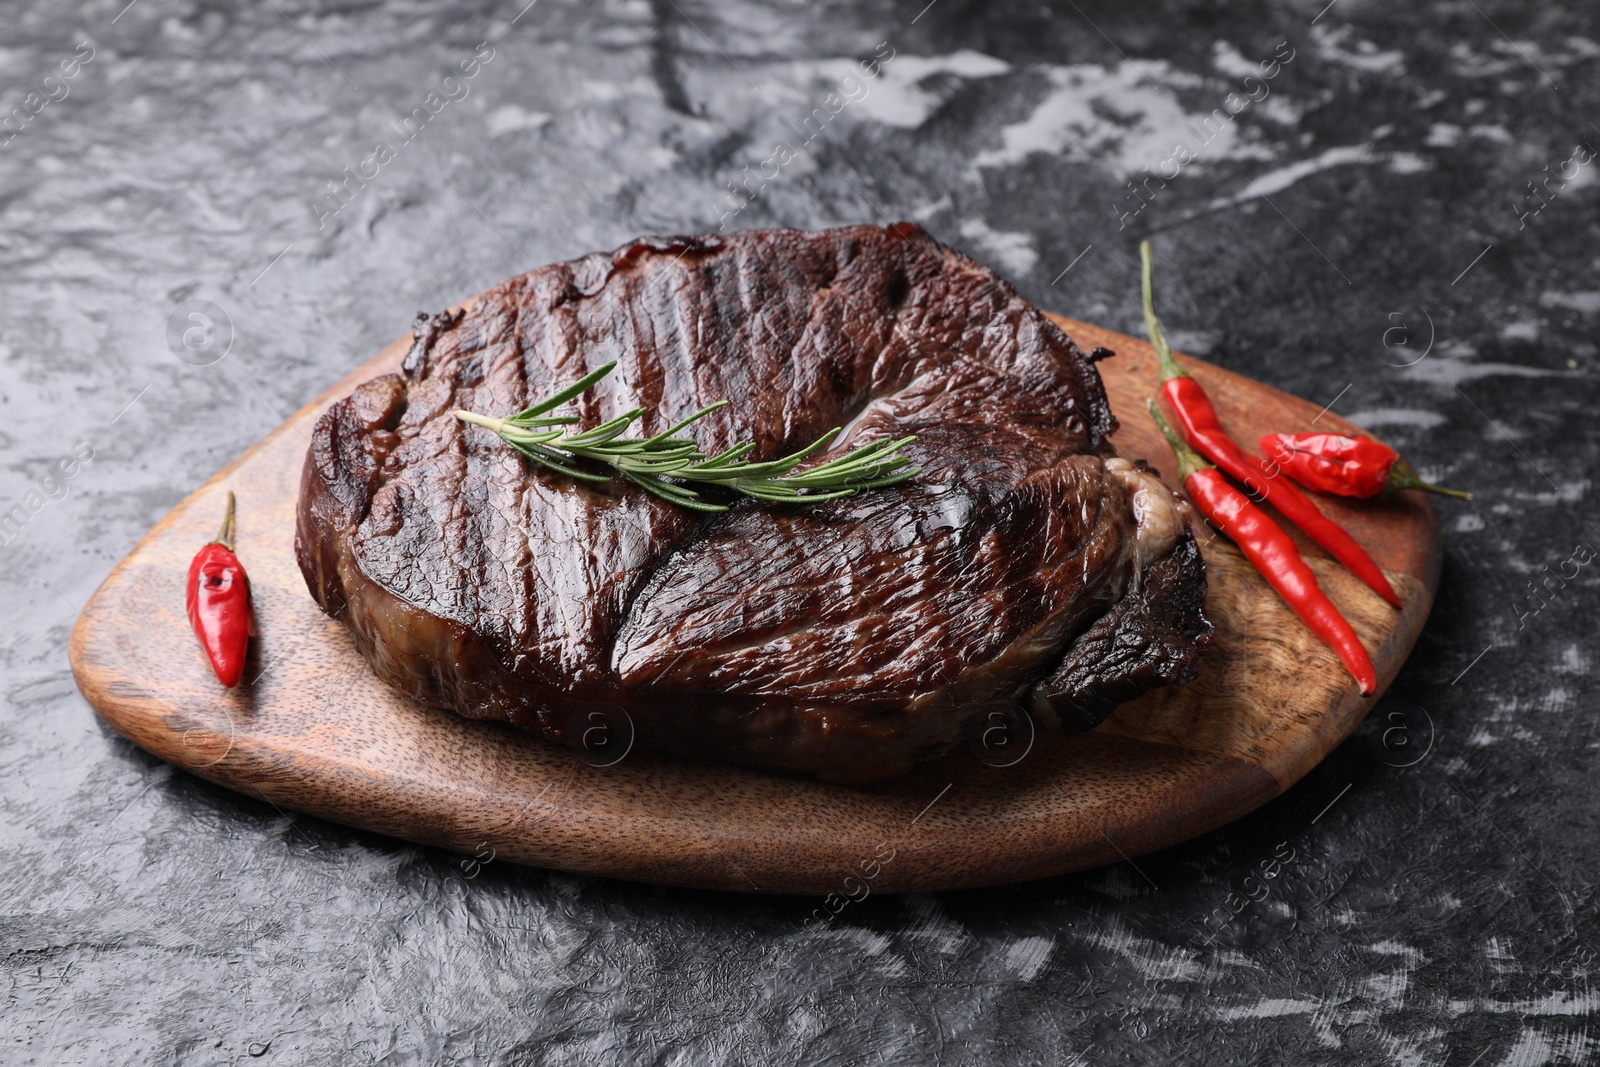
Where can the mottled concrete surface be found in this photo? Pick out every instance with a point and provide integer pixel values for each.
(1361, 232)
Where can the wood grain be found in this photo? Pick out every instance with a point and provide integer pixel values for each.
(312, 729)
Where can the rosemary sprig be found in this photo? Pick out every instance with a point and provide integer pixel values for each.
(649, 462)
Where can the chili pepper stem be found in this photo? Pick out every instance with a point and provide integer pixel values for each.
(1152, 325)
(1189, 460)
(225, 534)
(1402, 476)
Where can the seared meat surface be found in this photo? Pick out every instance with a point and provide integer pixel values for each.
(847, 639)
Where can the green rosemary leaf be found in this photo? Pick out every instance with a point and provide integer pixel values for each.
(673, 494)
(731, 455)
(681, 423)
(603, 433)
(577, 388)
(544, 421)
(553, 461)
(806, 497)
(903, 475)
(783, 465)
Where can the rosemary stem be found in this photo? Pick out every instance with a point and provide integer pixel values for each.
(499, 426)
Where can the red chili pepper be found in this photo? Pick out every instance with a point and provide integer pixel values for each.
(219, 603)
(1204, 431)
(1273, 553)
(1346, 466)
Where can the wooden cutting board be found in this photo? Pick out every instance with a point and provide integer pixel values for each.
(313, 730)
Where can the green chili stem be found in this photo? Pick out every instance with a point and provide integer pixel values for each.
(1189, 460)
(1158, 340)
(225, 535)
(1403, 476)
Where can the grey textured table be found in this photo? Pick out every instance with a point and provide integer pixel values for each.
(1400, 221)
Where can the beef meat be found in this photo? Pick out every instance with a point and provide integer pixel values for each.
(1023, 568)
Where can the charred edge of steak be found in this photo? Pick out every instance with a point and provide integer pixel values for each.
(1150, 638)
(350, 447)
(424, 333)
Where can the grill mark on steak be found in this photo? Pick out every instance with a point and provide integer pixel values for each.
(848, 638)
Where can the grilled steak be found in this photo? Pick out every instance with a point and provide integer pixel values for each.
(1021, 569)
